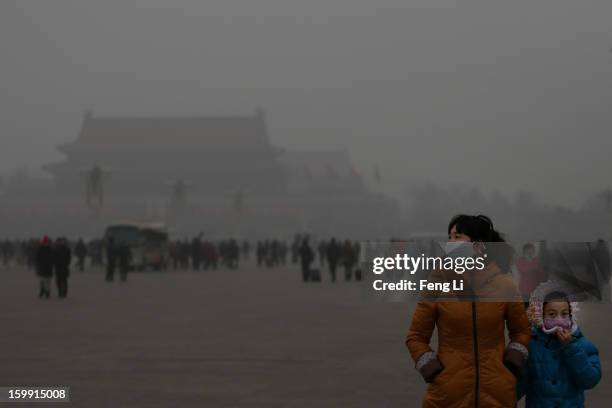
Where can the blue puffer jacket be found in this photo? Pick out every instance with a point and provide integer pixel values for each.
(557, 376)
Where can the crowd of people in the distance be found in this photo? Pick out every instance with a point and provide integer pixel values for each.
(316, 259)
(332, 253)
(50, 259)
(54, 258)
(204, 254)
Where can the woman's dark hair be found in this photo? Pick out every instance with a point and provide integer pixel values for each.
(480, 229)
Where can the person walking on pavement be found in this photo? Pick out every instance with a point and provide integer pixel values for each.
(80, 250)
(111, 259)
(348, 259)
(125, 261)
(306, 257)
(61, 261)
(333, 257)
(196, 253)
(44, 266)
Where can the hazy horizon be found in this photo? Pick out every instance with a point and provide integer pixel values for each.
(496, 95)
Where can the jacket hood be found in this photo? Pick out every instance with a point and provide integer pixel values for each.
(535, 312)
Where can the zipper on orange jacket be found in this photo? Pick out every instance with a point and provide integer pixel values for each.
(476, 365)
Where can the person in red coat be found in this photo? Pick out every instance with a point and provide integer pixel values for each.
(531, 272)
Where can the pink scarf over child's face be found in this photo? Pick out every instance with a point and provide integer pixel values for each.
(562, 323)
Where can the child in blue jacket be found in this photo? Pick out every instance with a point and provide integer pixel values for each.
(562, 363)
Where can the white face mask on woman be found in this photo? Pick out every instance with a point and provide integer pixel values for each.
(459, 249)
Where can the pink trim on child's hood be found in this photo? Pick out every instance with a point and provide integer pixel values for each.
(535, 310)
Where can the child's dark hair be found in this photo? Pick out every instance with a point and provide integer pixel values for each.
(480, 229)
(557, 295)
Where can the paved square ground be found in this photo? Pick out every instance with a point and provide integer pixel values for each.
(227, 338)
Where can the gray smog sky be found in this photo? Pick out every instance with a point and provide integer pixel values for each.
(497, 94)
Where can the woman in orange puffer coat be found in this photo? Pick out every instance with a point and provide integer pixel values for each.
(472, 367)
